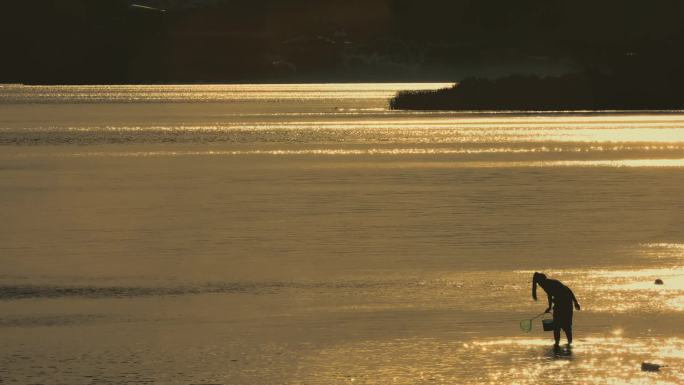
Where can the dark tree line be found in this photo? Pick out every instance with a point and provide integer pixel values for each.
(108, 41)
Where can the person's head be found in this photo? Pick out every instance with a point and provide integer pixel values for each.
(537, 278)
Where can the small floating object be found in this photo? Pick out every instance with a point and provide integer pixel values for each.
(649, 367)
(658, 281)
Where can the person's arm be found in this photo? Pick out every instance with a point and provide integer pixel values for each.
(577, 305)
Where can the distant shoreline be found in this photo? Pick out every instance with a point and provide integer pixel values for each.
(578, 91)
(231, 83)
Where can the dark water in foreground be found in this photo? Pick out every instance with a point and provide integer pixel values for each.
(306, 234)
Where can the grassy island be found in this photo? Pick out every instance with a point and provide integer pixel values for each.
(574, 91)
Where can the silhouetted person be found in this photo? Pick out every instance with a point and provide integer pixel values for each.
(561, 298)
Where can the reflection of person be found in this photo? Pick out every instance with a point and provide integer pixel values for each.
(562, 298)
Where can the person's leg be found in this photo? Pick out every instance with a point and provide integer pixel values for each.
(556, 334)
(568, 333)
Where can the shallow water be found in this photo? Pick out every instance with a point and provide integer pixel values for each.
(306, 234)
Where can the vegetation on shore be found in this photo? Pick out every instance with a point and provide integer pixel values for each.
(587, 90)
(276, 41)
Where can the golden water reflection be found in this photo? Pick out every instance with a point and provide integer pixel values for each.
(593, 360)
(457, 163)
(436, 130)
(632, 290)
(623, 291)
(206, 92)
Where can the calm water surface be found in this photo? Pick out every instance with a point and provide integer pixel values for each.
(304, 234)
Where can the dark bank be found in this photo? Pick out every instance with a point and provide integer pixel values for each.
(586, 90)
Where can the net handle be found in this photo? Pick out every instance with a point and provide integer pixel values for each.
(537, 316)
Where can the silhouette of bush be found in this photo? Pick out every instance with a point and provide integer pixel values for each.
(587, 90)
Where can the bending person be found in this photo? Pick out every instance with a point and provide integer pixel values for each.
(562, 299)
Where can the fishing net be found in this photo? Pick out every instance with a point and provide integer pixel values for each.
(526, 325)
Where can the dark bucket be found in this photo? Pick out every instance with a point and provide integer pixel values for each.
(547, 324)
